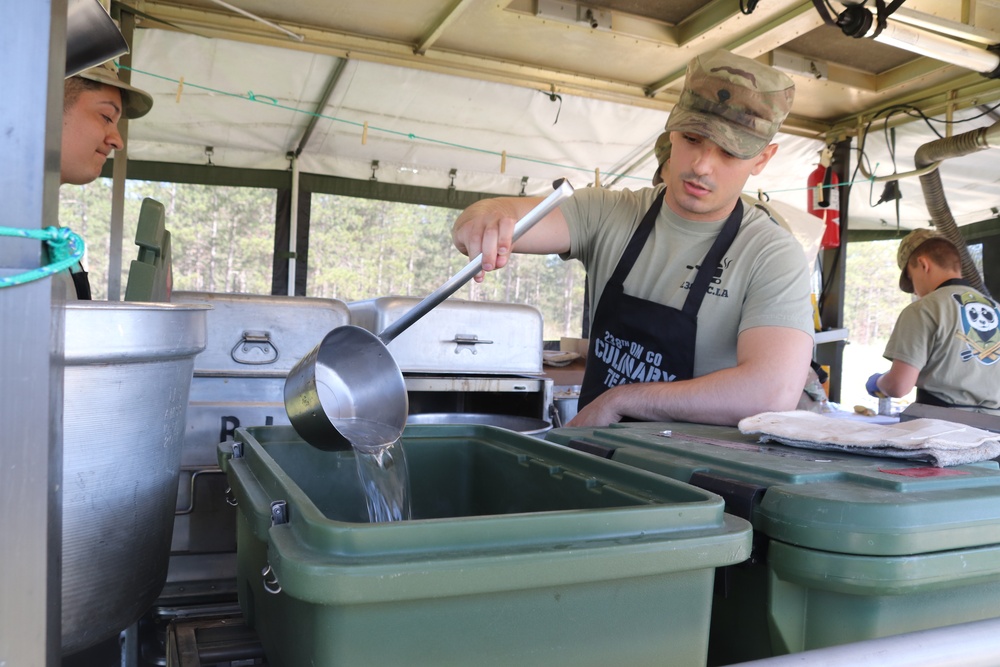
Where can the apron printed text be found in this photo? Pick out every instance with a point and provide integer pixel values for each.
(629, 361)
(641, 340)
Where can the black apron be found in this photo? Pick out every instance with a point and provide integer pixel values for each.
(635, 340)
(927, 398)
(81, 282)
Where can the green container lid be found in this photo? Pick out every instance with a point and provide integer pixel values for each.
(493, 510)
(837, 502)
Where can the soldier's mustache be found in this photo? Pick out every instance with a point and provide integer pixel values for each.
(700, 181)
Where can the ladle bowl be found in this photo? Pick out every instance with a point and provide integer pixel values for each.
(347, 383)
(348, 390)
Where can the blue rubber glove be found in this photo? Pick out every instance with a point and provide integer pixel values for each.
(872, 386)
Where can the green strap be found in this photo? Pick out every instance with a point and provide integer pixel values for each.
(64, 248)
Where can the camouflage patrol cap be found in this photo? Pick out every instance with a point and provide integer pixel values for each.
(907, 247)
(135, 103)
(736, 102)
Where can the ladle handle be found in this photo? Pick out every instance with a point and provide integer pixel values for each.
(562, 190)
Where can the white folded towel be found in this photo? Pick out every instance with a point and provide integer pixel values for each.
(940, 442)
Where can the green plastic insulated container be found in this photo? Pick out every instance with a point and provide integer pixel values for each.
(846, 547)
(519, 552)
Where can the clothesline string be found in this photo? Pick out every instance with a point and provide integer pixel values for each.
(250, 96)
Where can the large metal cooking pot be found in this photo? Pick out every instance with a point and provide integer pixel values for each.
(126, 382)
(349, 390)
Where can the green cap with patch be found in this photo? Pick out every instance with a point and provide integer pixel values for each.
(734, 101)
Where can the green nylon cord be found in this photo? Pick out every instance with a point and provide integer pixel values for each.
(64, 248)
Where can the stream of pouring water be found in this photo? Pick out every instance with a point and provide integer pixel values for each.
(382, 468)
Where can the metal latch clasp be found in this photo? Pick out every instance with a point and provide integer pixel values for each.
(279, 512)
(467, 342)
(269, 578)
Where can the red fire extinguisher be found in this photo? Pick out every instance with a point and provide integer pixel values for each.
(824, 199)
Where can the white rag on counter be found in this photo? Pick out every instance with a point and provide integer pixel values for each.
(940, 442)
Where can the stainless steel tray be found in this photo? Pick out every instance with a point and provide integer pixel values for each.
(458, 336)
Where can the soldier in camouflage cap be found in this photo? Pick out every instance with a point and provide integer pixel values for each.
(736, 102)
(698, 297)
(910, 243)
(947, 342)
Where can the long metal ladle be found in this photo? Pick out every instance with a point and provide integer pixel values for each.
(349, 391)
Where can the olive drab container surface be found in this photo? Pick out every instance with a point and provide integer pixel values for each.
(253, 342)
(518, 552)
(846, 547)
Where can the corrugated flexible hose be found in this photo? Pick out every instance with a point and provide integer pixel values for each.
(937, 205)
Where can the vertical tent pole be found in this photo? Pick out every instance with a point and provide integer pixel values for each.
(33, 46)
(293, 225)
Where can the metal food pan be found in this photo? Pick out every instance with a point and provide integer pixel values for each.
(458, 336)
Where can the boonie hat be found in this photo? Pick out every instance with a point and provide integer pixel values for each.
(662, 148)
(736, 102)
(907, 246)
(136, 103)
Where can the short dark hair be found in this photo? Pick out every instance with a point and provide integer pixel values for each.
(939, 250)
(76, 85)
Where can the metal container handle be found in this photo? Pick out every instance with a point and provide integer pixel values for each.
(255, 348)
(269, 580)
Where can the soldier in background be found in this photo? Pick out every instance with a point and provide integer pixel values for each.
(947, 343)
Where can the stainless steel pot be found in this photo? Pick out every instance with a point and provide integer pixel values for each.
(349, 390)
(565, 402)
(126, 382)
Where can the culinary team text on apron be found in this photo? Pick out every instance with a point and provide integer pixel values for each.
(635, 340)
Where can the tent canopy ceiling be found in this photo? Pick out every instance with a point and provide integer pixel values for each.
(505, 96)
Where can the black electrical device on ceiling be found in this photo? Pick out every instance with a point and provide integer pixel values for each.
(856, 20)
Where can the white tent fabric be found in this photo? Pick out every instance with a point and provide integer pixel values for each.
(252, 103)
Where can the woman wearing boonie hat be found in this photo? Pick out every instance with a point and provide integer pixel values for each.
(93, 102)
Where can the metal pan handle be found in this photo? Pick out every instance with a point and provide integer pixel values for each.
(562, 191)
